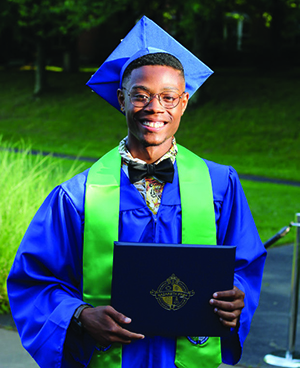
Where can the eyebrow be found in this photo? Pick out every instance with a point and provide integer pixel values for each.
(147, 89)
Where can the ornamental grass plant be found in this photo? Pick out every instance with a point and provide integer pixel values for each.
(25, 181)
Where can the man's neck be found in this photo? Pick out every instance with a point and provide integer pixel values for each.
(149, 154)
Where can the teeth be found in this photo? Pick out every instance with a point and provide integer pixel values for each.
(153, 124)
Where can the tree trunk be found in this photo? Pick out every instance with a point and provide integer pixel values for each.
(40, 73)
(278, 14)
(70, 56)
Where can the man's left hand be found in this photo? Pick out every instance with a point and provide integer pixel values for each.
(228, 305)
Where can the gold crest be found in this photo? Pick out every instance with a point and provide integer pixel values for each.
(172, 294)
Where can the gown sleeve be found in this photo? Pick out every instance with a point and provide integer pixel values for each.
(236, 226)
(45, 282)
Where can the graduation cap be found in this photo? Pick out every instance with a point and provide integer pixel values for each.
(146, 37)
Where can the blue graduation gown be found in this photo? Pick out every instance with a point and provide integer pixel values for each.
(45, 282)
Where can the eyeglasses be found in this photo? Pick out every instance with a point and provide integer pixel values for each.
(167, 99)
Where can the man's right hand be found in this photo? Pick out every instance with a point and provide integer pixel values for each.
(103, 324)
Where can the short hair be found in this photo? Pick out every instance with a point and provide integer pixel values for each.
(159, 58)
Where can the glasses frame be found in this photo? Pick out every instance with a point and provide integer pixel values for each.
(152, 96)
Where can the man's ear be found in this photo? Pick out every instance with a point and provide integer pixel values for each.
(184, 102)
(121, 99)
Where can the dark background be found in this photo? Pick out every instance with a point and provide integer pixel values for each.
(82, 33)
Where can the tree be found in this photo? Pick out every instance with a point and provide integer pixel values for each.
(45, 19)
(197, 24)
(9, 29)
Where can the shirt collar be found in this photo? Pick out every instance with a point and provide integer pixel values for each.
(126, 155)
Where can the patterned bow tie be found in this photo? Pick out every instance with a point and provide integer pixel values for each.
(163, 171)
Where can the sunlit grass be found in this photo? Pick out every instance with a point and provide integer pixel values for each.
(25, 181)
(273, 206)
(56, 69)
(246, 118)
(251, 122)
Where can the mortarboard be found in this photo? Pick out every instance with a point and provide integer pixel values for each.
(146, 37)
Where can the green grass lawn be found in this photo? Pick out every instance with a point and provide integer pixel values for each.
(246, 119)
(273, 206)
(251, 122)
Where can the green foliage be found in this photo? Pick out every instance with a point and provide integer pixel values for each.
(8, 13)
(268, 19)
(25, 181)
(52, 17)
(192, 20)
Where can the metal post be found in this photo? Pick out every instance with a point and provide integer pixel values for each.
(294, 293)
(287, 360)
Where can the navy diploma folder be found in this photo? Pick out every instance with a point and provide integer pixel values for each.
(165, 288)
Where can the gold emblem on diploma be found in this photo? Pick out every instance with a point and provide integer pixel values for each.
(172, 294)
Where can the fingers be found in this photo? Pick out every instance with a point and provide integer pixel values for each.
(103, 324)
(228, 305)
(113, 332)
(127, 336)
(116, 333)
(228, 319)
(118, 317)
(234, 293)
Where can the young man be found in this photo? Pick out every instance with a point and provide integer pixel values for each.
(59, 285)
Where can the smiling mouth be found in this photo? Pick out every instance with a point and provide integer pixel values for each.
(153, 124)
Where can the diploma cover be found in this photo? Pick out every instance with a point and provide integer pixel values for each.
(165, 288)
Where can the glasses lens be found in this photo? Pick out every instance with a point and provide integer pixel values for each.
(139, 99)
(169, 99)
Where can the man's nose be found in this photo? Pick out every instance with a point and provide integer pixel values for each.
(154, 104)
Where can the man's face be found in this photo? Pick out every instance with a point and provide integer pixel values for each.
(153, 125)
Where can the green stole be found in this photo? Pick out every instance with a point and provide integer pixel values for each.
(102, 204)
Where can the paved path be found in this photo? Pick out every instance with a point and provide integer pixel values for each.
(268, 332)
(12, 354)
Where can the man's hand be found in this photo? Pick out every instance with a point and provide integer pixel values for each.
(103, 324)
(228, 305)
